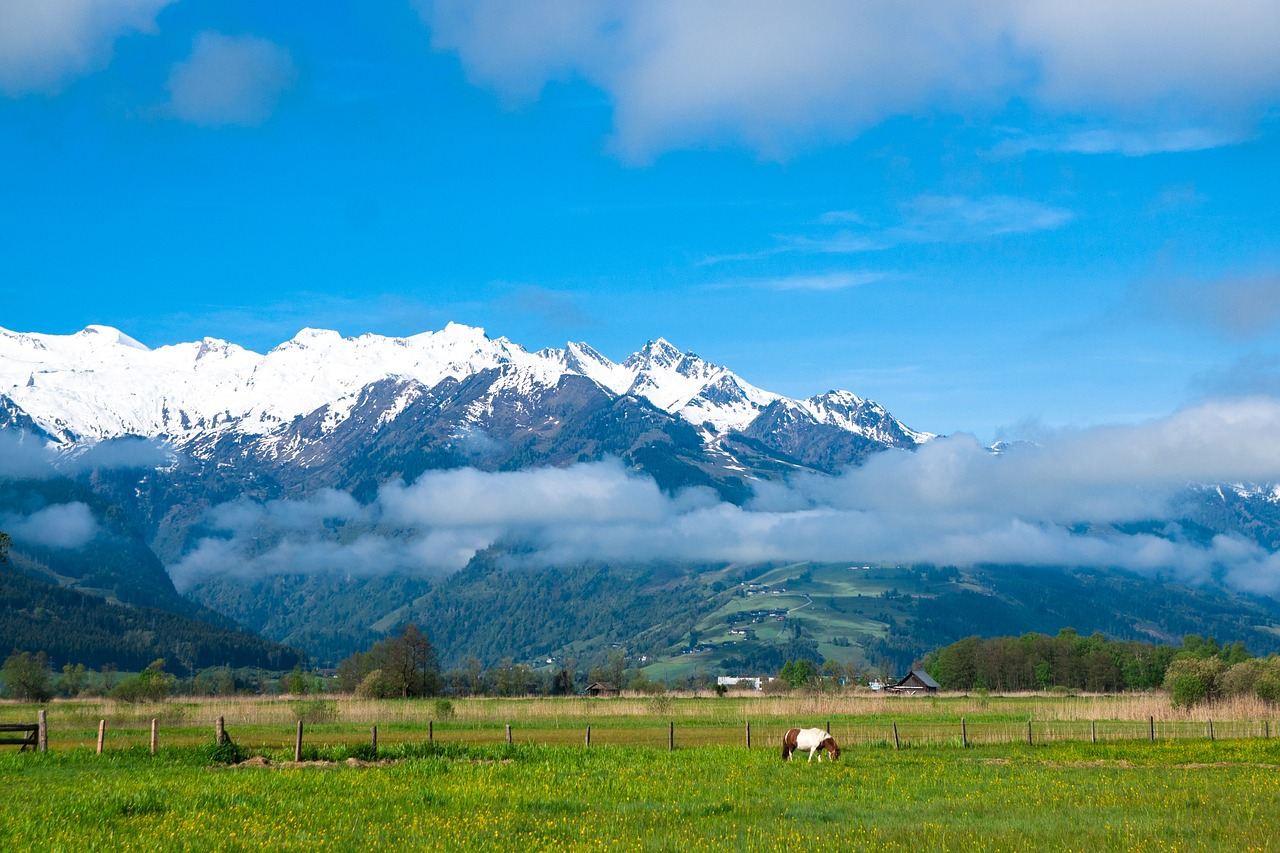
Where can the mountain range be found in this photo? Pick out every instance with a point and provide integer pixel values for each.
(272, 486)
(100, 384)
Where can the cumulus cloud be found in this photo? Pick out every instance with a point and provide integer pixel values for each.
(43, 43)
(1074, 500)
(230, 80)
(775, 75)
(66, 525)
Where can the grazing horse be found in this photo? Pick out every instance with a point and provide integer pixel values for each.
(810, 739)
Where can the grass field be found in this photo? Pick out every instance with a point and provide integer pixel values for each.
(470, 790)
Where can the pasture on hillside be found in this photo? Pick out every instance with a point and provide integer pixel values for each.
(466, 788)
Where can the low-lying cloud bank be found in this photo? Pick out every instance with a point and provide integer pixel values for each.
(64, 525)
(1063, 502)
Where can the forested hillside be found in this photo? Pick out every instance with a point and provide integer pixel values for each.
(486, 611)
(74, 628)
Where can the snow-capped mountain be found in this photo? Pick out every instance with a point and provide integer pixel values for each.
(302, 455)
(100, 384)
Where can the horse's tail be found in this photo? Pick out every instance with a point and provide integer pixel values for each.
(789, 743)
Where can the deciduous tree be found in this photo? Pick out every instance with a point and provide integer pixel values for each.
(26, 676)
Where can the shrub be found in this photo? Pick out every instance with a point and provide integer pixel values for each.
(227, 752)
(1268, 686)
(1191, 680)
(376, 685)
(1241, 679)
(152, 684)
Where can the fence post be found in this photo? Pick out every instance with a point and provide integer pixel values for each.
(297, 743)
(964, 735)
(588, 735)
(1210, 728)
(1093, 731)
(42, 732)
(1266, 728)
(1151, 728)
(154, 735)
(508, 733)
(374, 734)
(431, 737)
(1029, 743)
(671, 736)
(895, 734)
(102, 734)
(748, 734)
(220, 731)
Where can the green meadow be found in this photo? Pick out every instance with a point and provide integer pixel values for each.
(456, 784)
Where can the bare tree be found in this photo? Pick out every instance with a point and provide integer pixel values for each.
(411, 663)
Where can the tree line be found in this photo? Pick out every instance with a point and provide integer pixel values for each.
(1198, 670)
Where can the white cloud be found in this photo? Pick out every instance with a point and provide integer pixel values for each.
(230, 80)
(69, 525)
(951, 501)
(1127, 143)
(774, 76)
(842, 280)
(43, 43)
(1152, 56)
(934, 219)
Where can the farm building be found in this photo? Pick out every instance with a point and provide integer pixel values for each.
(740, 682)
(916, 681)
(601, 688)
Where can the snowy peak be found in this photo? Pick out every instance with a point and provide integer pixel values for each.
(851, 413)
(697, 390)
(658, 355)
(109, 336)
(100, 383)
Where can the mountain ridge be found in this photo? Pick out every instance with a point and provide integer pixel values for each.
(315, 475)
(99, 383)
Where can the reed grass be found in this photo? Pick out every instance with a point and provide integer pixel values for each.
(855, 718)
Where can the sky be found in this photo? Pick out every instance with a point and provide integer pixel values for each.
(1006, 219)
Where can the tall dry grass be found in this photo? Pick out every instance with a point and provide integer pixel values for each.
(736, 707)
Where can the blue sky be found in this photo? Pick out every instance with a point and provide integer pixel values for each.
(990, 217)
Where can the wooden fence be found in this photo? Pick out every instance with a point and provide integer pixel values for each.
(36, 736)
(848, 733)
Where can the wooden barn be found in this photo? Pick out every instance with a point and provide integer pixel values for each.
(600, 688)
(916, 681)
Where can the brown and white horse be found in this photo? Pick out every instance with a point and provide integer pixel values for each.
(810, 739)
